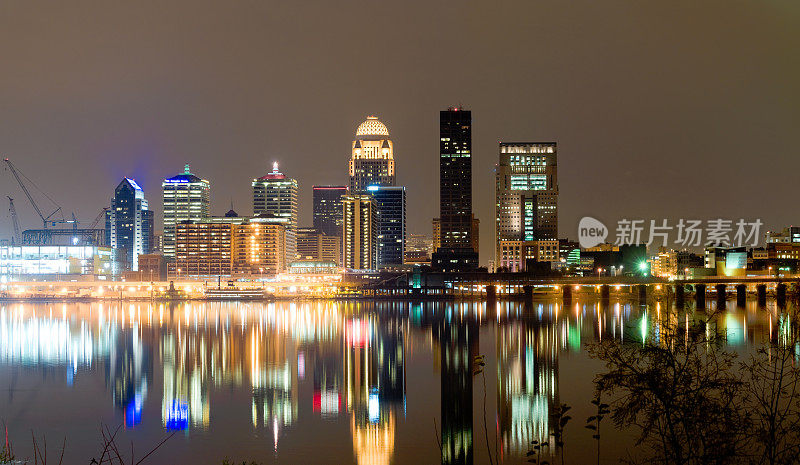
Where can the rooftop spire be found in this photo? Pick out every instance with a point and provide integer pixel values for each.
(186, 169)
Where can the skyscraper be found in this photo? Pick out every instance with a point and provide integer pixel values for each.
(129, 224)
(526, 193)
(372, 158)
(186, 198)
(276, 195)
(328, 209)
(391, 208)
(455, 192)
(360, 232)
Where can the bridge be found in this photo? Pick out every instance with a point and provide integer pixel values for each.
(492, 286)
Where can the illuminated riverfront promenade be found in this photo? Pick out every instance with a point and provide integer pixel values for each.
(433, 286)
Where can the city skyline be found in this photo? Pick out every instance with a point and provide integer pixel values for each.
(338, 232)
(622, 97)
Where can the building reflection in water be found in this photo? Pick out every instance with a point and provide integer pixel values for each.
(527, 377)
(129, 370)
(355, 355)
(457, 332)
(374, 364)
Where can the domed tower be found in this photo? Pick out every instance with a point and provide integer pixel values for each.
(372, 159)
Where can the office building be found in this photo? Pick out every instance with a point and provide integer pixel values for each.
(419, 248)
(526, 193)
(455, 252)
(29, 262)
(158, 243)
(152, 267)
(474, 238)
(259, 248)
(275, 195)
(202, 249)
(317, 246)
(391, 208)
(726, 261)
(328, 209)
(186, 198)
(516, 256)
(674, 263)
(129, 225)
(372, 158)
(787, 235)
(228, 246)
(360, 232)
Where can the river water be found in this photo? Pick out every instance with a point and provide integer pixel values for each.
(320, 382)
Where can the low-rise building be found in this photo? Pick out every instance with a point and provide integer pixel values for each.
(30, 262)
(152, 267)
(726, 261)
(228, 246)
(515, 254)
(787, 235)
(313, 267)
(316, 245)
(674, 263)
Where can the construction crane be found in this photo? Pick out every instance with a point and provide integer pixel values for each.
(87, 237)
(17, 239)
(51, 218)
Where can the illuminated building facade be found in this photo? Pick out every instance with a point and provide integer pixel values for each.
(455, 251)
(152, 267)
(372, 158)
(514, 255)
(186, 198)
(391, 208)
(276, 195)
(328, 209)
(129, 225)
(360, 232)
(215, 247)
(727, 261)
(52, 261)
(419, 248)
(673, 263)
(259, 248)
(526, 193)
(787, 235)
(474, 236)
(203, 249)
(314, 245)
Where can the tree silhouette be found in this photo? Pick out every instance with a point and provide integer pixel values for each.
(681, 392)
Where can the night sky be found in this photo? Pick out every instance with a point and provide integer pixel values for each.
(660, 109)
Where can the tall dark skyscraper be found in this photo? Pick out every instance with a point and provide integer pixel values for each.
(328, 209)
(129, 224)
(455, 192)
(391, 207)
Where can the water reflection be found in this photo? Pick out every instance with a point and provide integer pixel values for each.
(346, 365)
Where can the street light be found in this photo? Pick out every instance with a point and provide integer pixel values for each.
(643, 268)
